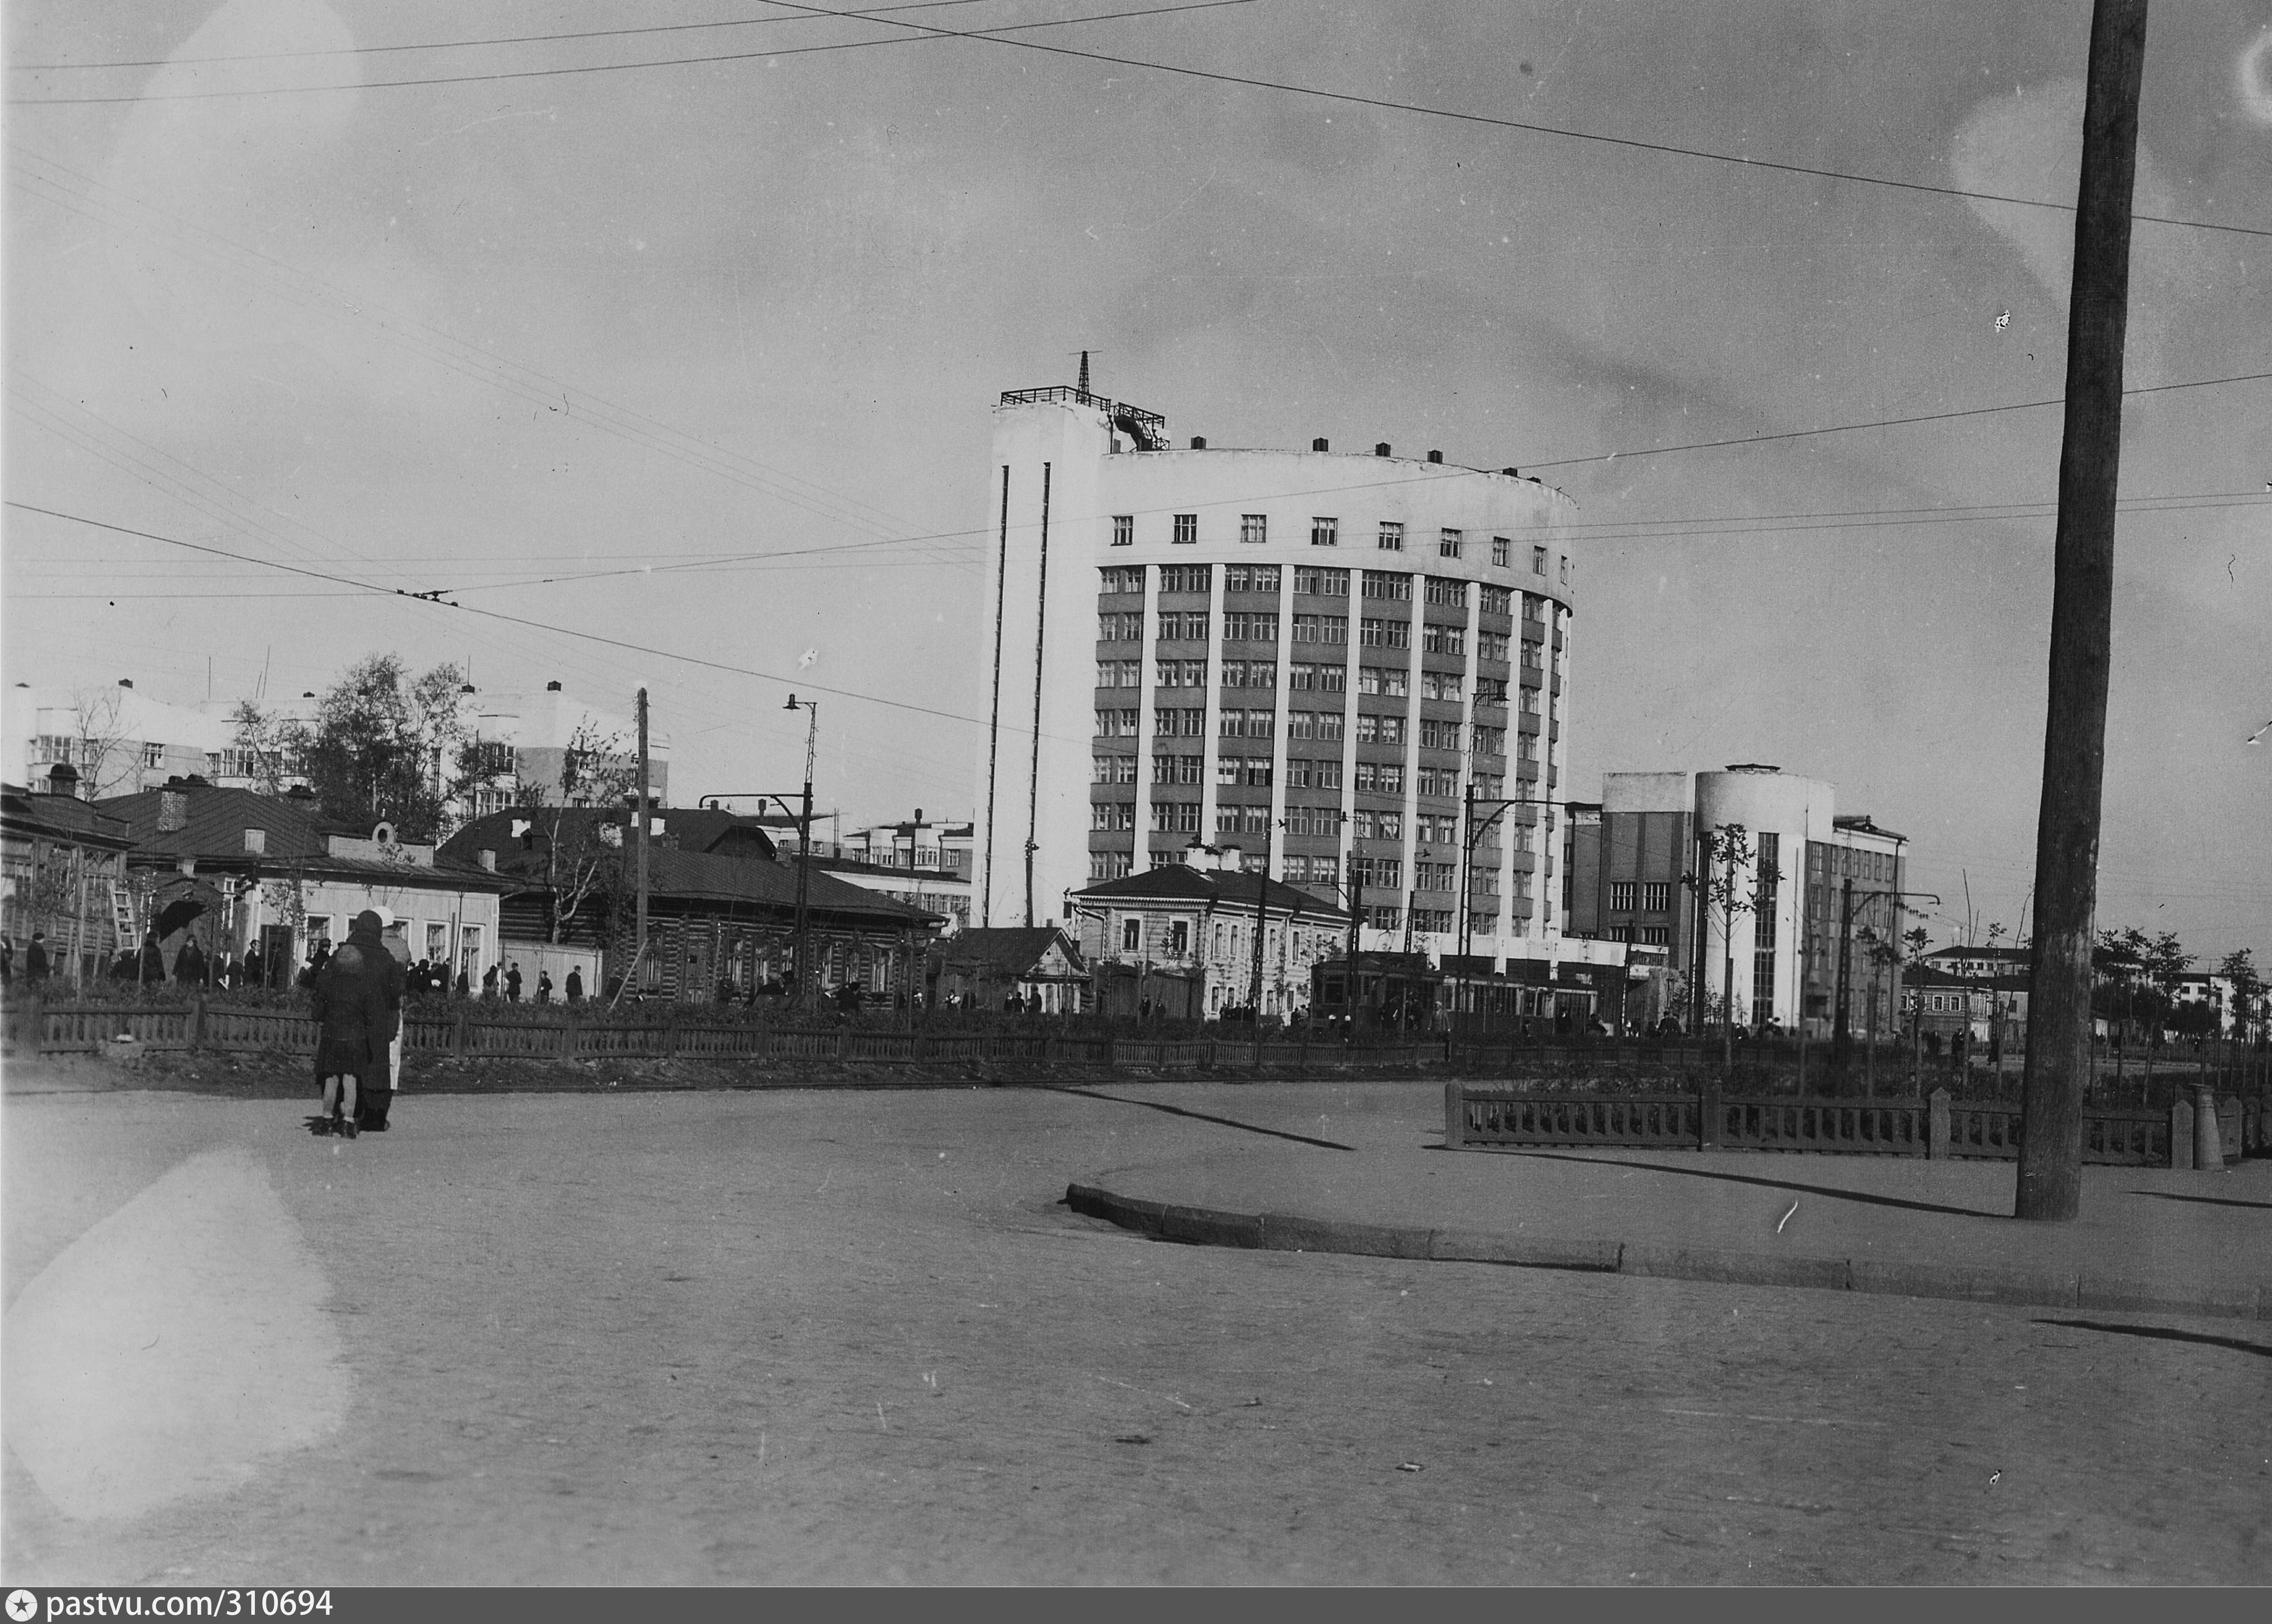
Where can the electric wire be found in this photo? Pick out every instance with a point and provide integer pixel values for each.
(624, 67)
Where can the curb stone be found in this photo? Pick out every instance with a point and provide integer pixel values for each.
(1957, 1282)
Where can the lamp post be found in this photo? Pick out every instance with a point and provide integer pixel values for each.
(1472, 835)
(812, 708)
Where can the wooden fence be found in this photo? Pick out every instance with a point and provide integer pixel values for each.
(474, 1032)
(1936, 1127)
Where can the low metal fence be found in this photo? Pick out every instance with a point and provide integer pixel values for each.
(484, 1031)
(1936, 1127)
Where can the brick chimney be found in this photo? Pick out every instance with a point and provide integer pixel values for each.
(173, 811)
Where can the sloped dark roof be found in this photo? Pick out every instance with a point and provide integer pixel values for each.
(297, 836)
(696, 829)
(1005, 952)
(704, 877)
(1180, 882)
(61, 817)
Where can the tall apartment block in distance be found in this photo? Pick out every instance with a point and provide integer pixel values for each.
(1303, 653)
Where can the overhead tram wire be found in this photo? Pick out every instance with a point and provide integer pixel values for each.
(451, 45)
(624, 67)
(1003, 36)
(515, 379)
(706, 456)
(803, 681)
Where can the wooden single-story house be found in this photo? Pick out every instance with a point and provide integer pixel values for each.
(722, 908)
(1040, 967)
(235, 868)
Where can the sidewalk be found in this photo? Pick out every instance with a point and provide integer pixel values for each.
(2148, 1239)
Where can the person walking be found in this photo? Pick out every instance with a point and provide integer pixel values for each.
(377, 928)
(349, 1002)
(190, 963)
(513, 982)
(489, 983)
(543, 985)
(35, 958)
(575, 986)
(150, 963)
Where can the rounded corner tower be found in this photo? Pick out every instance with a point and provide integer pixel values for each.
(1318, 657)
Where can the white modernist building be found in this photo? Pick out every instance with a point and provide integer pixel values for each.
(1313, 656)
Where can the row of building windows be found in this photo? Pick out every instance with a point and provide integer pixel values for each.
(1326, 531)
(1655, 896)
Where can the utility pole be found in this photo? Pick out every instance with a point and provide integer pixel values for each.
(2055, 1078)
(638, 948)
(804, 852)
(1728, 961)
(1261, 912)
(1841, 1039)
(1357, 924)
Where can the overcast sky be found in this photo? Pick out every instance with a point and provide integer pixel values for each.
(470, 336)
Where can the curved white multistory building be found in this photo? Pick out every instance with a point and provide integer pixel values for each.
(1313, 653)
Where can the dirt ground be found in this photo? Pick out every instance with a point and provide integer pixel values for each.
(830, 1336)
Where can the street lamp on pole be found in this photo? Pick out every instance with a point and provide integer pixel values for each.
(1470, 838)
(804, 852)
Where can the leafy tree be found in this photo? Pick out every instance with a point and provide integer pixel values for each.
(2238, 967)
(379, 738)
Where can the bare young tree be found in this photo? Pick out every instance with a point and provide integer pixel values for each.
(595, 772)
(271, 743)
(100, 747)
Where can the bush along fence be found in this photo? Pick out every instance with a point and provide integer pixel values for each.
(476, 1031)
(2203, 1131)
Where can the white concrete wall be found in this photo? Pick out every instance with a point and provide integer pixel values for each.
(1795, 809)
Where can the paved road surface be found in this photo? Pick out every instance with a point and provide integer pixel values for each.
(841, 1338)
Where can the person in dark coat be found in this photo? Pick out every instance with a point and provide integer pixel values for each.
(150, 965)
(349, 1002)
(543, 985)
(575, 987)
(488, 983)
(372, 933)
(464, 986)
(256, 969)
(189, 964)
(35, 958)
(513, 984)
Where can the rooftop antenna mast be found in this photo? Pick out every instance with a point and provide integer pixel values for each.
(1084, 371)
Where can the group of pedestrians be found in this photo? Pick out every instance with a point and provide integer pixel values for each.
(357, 1001)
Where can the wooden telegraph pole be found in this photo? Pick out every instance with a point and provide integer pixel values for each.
(2057, 1078)
(638, 948)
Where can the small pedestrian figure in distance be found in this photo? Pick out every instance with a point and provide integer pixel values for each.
(543, 985)
(575, 984)
(513, 982)
(150, 964)
(190, 963)
(489, 983)
(35, 958)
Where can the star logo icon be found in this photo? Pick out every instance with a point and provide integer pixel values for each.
(22, 1606)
